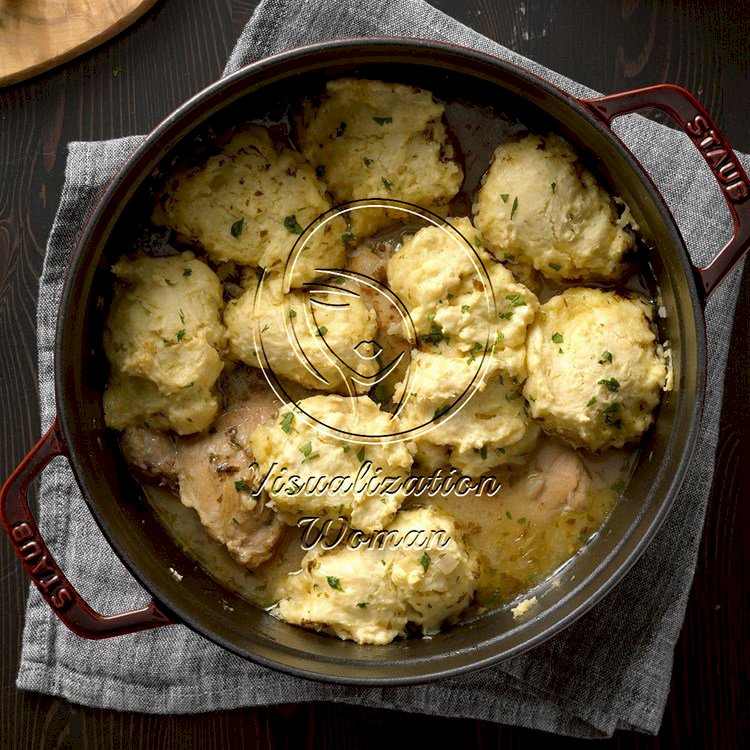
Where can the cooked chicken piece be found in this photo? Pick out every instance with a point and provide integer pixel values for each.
(248, 386)
(391, 335)
(566, 482)
(151, 454)
(218, 478)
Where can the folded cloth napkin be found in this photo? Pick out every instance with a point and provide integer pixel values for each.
(608, 671)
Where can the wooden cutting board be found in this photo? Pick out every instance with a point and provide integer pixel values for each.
(36, 35)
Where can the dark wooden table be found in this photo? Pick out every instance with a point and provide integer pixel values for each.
(126, 87)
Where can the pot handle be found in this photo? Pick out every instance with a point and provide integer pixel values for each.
(700, 127)
(36, 558)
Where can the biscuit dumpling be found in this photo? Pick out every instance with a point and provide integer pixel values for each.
(292, 449)
(249, 203)
(539, 205)
(596, 371)
(369, 592)
(488, 429)
(444, 287)
(319, 339)
(371, 139)
(163, 339)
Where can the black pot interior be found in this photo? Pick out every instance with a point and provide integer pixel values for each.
(126, 517)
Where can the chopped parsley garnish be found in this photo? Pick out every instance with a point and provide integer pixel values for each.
(475, 349)
(387, 185)
(383, 120)
(513, 395)
(236, 229)
(522, 520)
(292, 225)
(435, 336)
(483, 452)
(340, 130)
(424, 561)
(508, 515)
(182, 316)
(553, 185)
(306, 449)
(181, 334)
(514, 208)
(554, 266)
(505, 315)
(362, 605)
(311, 458)
(334, 583)
(169, 282)
(515, 299)
(612, 384)
(606, 357)
(430, 316)
(361, 454)
(345, 448)
(187, 272)
(240, 485)
(477, 240)
(286, 422)
(557, 338)
(292, 313)
(504, 196)
(441, 410)
(464, 309)
(592, 401)
(322, 331)
(347, 238)
(367, 161)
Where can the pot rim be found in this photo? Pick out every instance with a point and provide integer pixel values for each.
(588, 592)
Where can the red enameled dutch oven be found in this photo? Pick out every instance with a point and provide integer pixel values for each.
(146, 549)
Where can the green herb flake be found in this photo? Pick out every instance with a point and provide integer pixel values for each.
(440, 411)
(306, 449)
(292, 225)
(348, 238)
(334, 583)
(513, 395)
(516, 300)
(505, 197)
(237, 227)
(435, 336)
(424, 561)
(169, 282)
(476, 347)
(181, 334)
(383, 120)
(116, 70)
(361, 454)
(182, 316)
(322, 331)
(483, 452)
(464, 309)
(557, 338)
(611, 385)
(387, 185)
(605, 357)
(311, 458)
(187, 272)
(514, 208)
(367, 161)
(553, 185)
(286, 422)
(612, 408)
(345, 448)
(522, 520)
(477, 240)
(340, 130)
(554, 266)
(292, 313)
(508, 515)
(241, 485)
(362, 605)
(592, 401)
(505, 315)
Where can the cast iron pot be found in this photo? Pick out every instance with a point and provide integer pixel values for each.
(126, 518)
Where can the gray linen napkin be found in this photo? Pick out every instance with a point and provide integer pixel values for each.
(611, 670)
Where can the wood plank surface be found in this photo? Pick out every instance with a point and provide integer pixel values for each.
(125, 87)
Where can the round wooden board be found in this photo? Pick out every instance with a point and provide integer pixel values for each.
(36, 35)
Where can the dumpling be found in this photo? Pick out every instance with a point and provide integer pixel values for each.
(320, 338)
(440, 281)
(370, 592)
(539, 205)
(290, 450)
(163, 339)
(370, 139)
(596, 370)
(249, 203)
